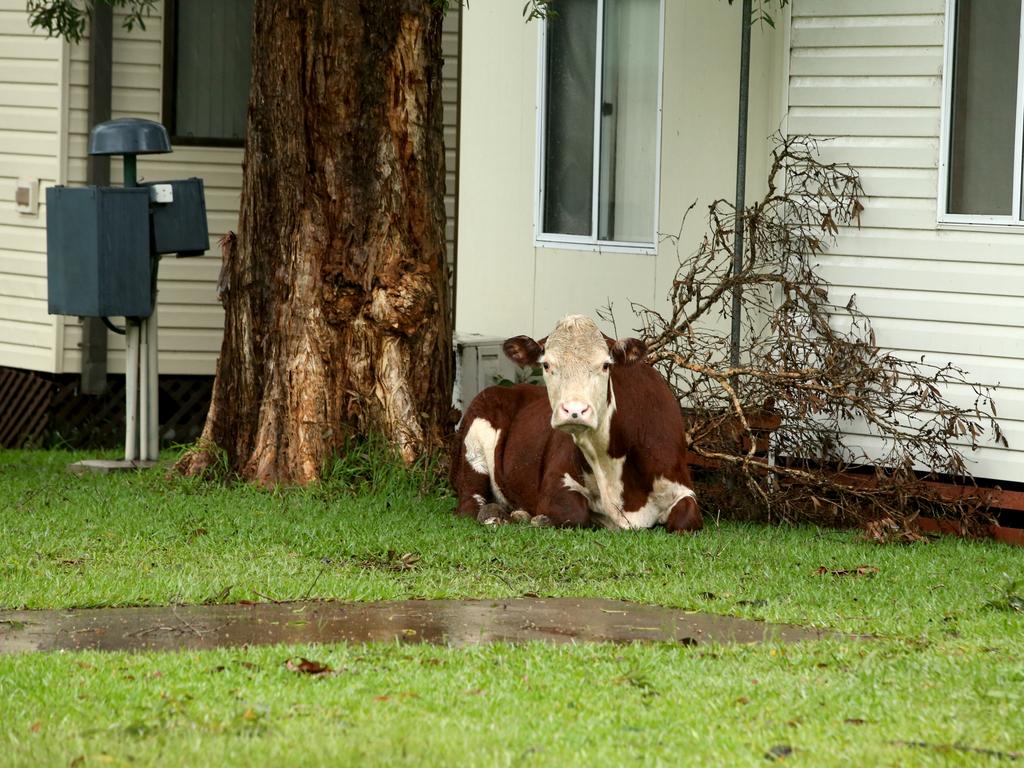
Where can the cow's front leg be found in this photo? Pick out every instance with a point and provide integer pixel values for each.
(473, 489)
(564, 508)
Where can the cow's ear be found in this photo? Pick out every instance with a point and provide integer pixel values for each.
(522, 350)
(628, 351)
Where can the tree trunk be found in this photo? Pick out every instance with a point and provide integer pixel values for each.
(335, 291)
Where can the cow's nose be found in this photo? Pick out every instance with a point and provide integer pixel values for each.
(575, 410)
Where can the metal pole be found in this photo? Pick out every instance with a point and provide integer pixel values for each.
(131, 389)
(153, 416)
(133, 447)
(144, 390)
(741, 181)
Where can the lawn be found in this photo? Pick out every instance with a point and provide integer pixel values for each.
(940, 683)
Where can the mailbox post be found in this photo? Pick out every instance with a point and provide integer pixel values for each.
(103, 252)
(130, 137)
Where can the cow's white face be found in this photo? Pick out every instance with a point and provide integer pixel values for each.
(576, 363)
(577, 360)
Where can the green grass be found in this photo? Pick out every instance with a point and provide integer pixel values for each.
(947, 667)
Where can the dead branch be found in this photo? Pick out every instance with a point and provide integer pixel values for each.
(777, 429)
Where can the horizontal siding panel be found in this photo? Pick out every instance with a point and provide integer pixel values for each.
(15, 333)
(25, 311)
(923, 275)
(127, 102)
(183, 317)
(1011, 414)
(29, 71)
(18, 221)
(881, 152)
(46, 119)
(885, 62)
(225, 177)
(22, 264)
(845, 120)
(987, 463)
(988, 312)
(27, 47)
(131, 76)
(191, 316)
(21, 286)
(28, 358)
(1001, 373)
(871, 31)
(14, 21)
(940, 339)
(171, 363)
(977, 247)
(28, 95)
(169, 339)
(42, 145)
(903, 182)
(902, 212)
(865, 91)
(24, 239)
(203, 268)
(865, 7)
(196, 293)
(220, 224)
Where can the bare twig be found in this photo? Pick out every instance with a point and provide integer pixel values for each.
(812, 372)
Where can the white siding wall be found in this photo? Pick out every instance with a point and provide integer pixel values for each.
(191, 320)
(30, 119)
(869, 73)
(506, 284)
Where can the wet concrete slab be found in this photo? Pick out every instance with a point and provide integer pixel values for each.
(446, 622)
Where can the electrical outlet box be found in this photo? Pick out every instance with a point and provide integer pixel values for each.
(26, 196)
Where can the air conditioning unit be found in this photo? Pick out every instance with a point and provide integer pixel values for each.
(480, 364)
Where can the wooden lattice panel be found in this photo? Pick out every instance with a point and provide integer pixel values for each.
(24, 402)
(47, 410)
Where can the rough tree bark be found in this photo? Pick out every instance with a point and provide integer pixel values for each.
(335, 290)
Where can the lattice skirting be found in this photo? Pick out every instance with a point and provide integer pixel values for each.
(49, 410)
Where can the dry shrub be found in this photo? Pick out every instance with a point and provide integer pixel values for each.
(772, 435)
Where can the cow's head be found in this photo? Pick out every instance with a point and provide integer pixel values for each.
(577, 360)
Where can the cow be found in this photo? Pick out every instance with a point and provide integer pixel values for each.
(602, 442)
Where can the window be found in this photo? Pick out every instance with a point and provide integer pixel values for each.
(599, 122)
(981, 176)
(206, 71)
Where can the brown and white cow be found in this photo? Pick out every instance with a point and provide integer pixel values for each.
(602, 442)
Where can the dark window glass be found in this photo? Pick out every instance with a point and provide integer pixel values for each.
(628, 125)
(984, 104)
(569, 134)
(208, 65)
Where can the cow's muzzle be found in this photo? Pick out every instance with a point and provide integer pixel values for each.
(573, 415)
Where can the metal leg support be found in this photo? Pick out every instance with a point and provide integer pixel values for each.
(131, 372)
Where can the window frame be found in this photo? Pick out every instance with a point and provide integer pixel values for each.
(168, 101)
(543, 239)
(1015, 219)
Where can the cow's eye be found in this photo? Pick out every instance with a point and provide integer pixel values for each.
(606, 367)
(547, 366)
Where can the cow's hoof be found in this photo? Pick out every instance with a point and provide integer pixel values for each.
(491, 511)
(520, 516)
(541, 521)
(494, 521)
